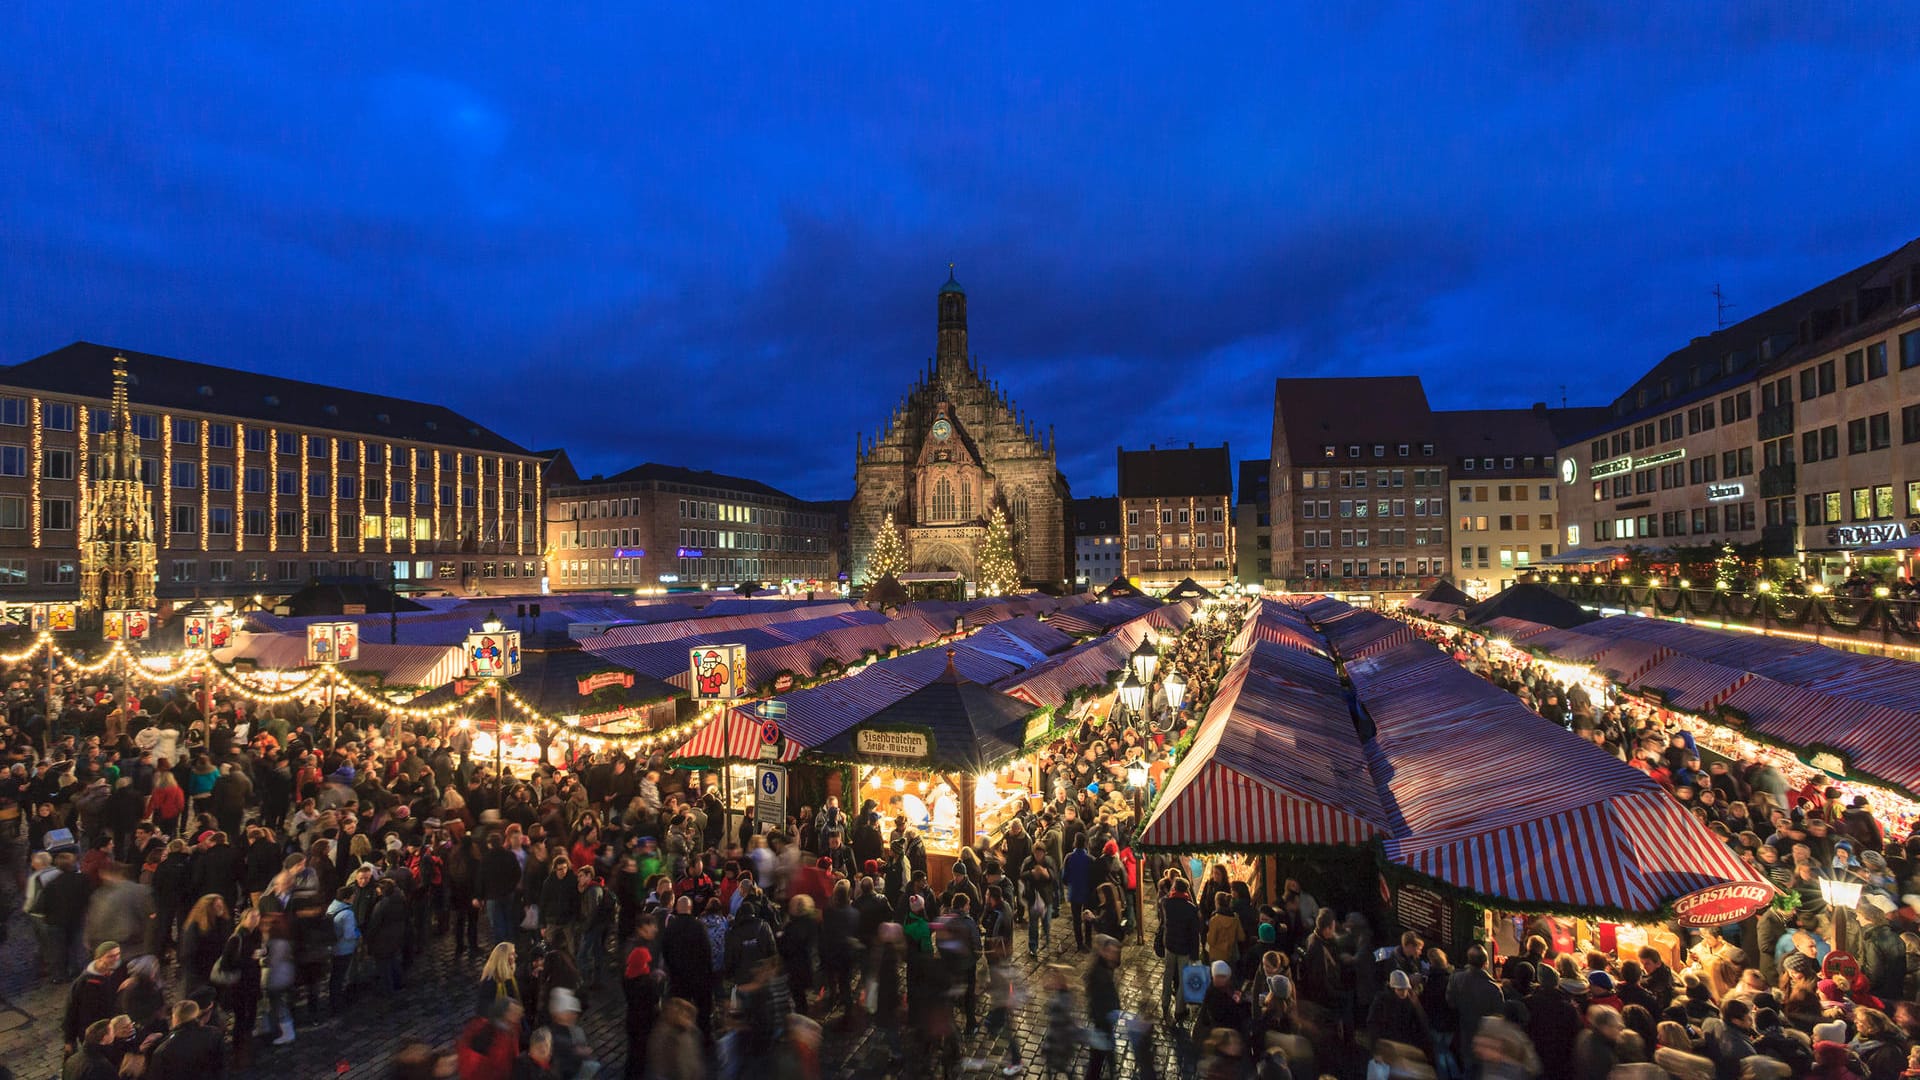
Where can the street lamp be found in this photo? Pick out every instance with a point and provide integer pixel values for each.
(1145, 659)
(1133, 693)
(1843, 895)
(492, 624)
(1136, 774)
(1176, 688)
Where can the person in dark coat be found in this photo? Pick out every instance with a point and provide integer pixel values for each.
(1179, 943)
(689, 959)
(1553, 1021)
(385, 933)
(215, 869)
(1883, 956)
(1103, 1004)
(1396, 1014)
(95, 995)
(190, 1051)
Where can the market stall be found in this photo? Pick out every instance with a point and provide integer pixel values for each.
(948, 757)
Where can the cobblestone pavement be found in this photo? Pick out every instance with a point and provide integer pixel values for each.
(439, 997)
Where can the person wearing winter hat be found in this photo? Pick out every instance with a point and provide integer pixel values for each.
(1222, 1007)
(571, 1051)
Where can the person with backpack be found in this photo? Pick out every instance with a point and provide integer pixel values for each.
(596, 919)
(346, 942)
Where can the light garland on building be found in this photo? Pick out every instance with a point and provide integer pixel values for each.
(499, 502)
(386, 504)
(83, 452)
(163, 529)
(306, 488)
(413, 489)
(240, 489)
(333, 492)
(206, 489)
(273, 489)
(37, 467)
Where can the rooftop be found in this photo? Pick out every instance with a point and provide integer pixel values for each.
(654, 472)
(1156, 473)
(85, 370)
(1388, 410)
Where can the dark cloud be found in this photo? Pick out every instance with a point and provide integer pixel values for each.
(713, 237)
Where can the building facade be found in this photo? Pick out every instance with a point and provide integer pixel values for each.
(1097, 542)
(1357, 486)
(1177, 516)
(256, 485)
(1795, 432)
(663, 527)
(1505, 489)
(955, 448)
(1253, 523)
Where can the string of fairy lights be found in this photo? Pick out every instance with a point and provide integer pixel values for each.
(166, 670)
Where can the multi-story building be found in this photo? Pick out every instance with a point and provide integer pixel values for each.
(1177, 515)
(658, 527)
(260, 484)
(1358, 487)
(1253, 523)
(1776, 431)
(1505, 489)
(1097, 541)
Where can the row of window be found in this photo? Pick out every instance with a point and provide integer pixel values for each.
(1506, 522)
(1875, 503)
(1324, 538)
(1359, 508)
(1732, 517)
(14, 571)
(1504, 492)
(631, 571)
(1699, 418)
(1151, 541)
(1357, 478)
(58, 464)
(1169, 516)
(1529, 461)
(1509, 558)
(1323, 569)
(1379, 450)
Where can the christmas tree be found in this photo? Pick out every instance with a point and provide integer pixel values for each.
(889, 555)
(999, 572)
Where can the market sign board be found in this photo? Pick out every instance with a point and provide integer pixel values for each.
(719, 672)
(333, 642)
(1863, 535)
(1719, 905)
(493, 655)
(600, 680)
(903, 744)
(126, 625)
(209, 631)
(56, 617)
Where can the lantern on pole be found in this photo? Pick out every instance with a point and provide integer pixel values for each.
(1145, 658)
(1176, 688)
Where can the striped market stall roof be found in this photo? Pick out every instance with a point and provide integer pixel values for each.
(1459, 780)
(1433, 609)
(1803, 694)
(395, 665)
(1512, 629)
(1691, 685)
(1273, 763)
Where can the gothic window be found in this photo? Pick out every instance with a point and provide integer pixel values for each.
(943, 499)
(966, 497)
(1019, 510)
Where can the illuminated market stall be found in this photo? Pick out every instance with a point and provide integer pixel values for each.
(1459, 800)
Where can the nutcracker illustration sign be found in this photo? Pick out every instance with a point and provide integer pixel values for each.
(719, 671)
(331, 643)
(210, 631)
(493, 654)
(55, 617)
(125, 624)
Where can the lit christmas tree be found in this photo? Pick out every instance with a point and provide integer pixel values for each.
(999, 572)
(889, 555)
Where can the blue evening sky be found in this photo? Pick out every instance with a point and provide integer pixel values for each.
(711, 234)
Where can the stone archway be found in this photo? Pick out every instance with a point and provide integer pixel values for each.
(931, 555)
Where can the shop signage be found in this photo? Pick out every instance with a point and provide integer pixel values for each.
(1659, 459)
(1604, 469)
(669, 579)
(1723, 492)
(209, 631)
(783, 682)
(1722, 904)
(688, 553)
(719, 671)
(600, 680)
(629, 553)
(1037, 726)
(1421, 909)
(906, 744)
(1862, 535)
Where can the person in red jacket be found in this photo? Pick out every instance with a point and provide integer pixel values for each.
(488, 1044)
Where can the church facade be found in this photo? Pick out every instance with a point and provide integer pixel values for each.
(953, 450)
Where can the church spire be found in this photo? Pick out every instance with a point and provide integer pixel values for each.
(952, 352)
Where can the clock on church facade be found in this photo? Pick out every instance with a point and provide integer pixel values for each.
(954, 448)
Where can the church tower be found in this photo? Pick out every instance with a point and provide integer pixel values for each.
(952, 351)
(118, 557)
(954, 449)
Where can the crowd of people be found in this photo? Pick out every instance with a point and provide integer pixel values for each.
(213, 877)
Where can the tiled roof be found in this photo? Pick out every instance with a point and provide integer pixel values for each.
(84, 369)
(1155, 473)
(1342, 412)
(1098, 516)
(653, 472)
